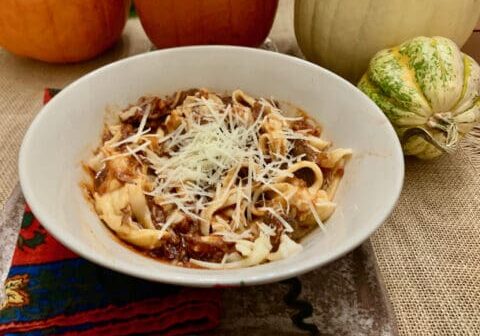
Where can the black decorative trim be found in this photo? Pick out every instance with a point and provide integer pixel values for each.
(304, 308)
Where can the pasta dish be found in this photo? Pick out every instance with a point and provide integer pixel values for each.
(213, 181)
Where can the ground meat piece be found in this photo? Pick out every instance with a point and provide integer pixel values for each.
(157, 213)
(175, 248)
(278, 226)
(182, 247)
(301, 147)
(256, 108)
(160, 108)
(300, 227)
(187, 226)
(133, 119)
(126, 130)
(212, 250)
(175, 251)
(133, 114)
(99, 179)
(158, 114)
(185, 242)
(303, 125)
(227, 100)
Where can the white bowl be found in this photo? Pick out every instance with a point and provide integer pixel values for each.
(69, 127)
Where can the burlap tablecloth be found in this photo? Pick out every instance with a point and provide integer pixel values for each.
(428, 251)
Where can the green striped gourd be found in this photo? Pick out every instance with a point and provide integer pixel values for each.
(429, 90)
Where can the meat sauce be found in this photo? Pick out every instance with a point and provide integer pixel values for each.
(186, 241)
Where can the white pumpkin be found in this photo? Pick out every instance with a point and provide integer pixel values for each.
(343, 35)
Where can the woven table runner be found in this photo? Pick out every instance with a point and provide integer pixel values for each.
(428, 251)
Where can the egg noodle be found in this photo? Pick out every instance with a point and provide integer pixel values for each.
(213, 181)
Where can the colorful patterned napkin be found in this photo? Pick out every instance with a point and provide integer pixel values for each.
(50, 290)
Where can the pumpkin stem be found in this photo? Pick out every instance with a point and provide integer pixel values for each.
(439, 121)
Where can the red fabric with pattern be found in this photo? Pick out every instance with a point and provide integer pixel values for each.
(49, 250)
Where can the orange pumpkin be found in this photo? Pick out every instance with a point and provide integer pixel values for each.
(61, 31)
(170, 23)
